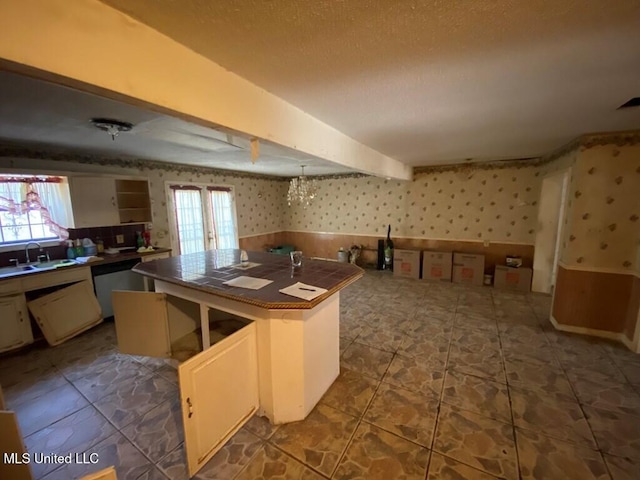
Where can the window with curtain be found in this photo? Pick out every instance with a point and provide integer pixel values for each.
(33, 208)
(204, 217)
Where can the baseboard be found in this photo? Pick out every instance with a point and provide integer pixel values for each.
(619, 337)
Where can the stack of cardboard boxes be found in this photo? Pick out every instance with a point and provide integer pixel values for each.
(465, 268)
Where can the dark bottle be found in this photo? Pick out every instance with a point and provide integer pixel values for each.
(388, 251)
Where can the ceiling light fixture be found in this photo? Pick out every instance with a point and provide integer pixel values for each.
(301, 190)
(112, 127)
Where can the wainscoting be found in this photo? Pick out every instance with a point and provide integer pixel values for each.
(597, 303)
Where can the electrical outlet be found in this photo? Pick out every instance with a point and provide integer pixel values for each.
(119, 238)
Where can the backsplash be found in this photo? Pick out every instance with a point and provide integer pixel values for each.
(109, 234)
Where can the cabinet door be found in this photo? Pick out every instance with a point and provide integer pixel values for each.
(15, 329)
(142, 325)
(219, 394)
(66, 312)
(11, 443)
(93, 201)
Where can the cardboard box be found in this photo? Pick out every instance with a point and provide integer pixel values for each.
(468, 268)
(406, 263)
(510, 278)
(437, 266)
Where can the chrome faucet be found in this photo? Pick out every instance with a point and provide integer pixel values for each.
(26, 250)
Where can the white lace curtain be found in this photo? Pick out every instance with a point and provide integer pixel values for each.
(48, 195)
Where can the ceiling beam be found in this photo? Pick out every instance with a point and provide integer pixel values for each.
(89, 45)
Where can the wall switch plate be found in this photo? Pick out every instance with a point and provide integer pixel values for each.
(119, 238)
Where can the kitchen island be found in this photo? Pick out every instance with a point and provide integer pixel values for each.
(257, 351)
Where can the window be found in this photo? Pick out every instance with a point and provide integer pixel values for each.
(204, 218)
(33, 208)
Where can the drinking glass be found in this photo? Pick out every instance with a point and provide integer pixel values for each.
(296, 258)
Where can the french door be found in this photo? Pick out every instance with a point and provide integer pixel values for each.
(202, 217)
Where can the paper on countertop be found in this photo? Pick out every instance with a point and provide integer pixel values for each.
(245, 265)
(296, 290)
(89, 259)
(251, 283)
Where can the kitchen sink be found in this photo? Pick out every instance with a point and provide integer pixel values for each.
(53, 264)
(34, 267)
(17, 270)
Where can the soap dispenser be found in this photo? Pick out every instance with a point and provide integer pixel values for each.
(71, 251)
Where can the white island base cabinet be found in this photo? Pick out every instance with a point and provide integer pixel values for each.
(237, 359)
(218, 386)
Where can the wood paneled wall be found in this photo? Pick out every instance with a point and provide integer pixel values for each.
(593, 300)
(327, 245)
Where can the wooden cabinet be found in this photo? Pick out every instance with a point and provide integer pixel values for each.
(149, 285)
(15, 328)
(93, 200)
(218, 385)
(104, 201)
(134, 205)
(66, 312)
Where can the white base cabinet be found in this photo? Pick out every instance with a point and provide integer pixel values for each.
(218, 385)
(15, 329)
(237, 359)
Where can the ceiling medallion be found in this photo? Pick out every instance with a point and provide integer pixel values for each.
(112, 127)
(301, 190)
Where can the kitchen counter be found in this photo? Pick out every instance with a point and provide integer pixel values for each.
(206, 272)
(106, 259)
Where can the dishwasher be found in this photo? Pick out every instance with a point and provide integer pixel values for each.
(115, 276)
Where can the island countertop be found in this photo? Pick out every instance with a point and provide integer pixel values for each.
(206, 271)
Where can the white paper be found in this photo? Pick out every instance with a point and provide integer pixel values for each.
(303, 291)
(251, 283)
(89, 259)
(245, 265)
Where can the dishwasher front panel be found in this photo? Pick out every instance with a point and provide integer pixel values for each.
(106, 283)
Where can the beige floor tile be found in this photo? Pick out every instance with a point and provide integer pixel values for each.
(552, 414)
(367, 360)
(622, 468)
(479, 395)
(481, 364)
(350, 393)
(619, 397)
(261, 426)
(319, 440)
(270, 463)
(445, 468)
(547, 458)
(386, 339)
(418, 374)
(375, 454)
(407, 414)
(530, 375)
(478, 441)
(616, 433)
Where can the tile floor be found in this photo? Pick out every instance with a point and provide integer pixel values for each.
(438, 381)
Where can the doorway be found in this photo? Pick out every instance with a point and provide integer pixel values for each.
(201, 217)
(551, 213)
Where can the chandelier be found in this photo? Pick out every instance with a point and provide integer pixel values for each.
(301, 190)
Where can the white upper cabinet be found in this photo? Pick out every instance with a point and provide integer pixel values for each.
(94, 201)
(105, 201)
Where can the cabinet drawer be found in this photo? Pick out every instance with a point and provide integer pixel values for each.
(59, 277)
(8, 287)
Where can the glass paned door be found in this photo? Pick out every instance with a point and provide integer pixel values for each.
(204, 219)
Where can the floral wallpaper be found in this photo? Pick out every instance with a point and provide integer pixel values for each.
(604, 208)
(463, 204)
(259, 199)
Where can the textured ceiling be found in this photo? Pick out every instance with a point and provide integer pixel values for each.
(41, 115)
(427, 82)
